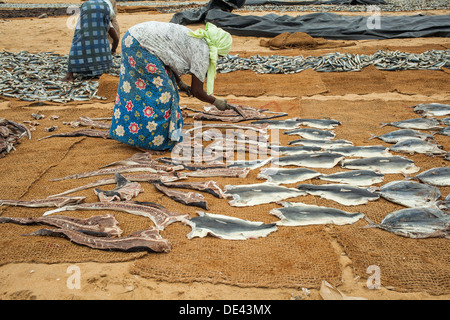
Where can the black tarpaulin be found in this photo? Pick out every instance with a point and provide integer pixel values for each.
(332, 26)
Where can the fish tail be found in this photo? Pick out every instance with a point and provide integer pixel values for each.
(384, 124)
(372, 136)
(370, 225)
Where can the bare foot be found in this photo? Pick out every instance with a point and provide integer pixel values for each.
(68, 77)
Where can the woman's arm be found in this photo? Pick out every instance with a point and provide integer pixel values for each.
(198, 92)
(112, 32)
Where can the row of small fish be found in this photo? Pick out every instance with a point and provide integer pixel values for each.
(337, 62)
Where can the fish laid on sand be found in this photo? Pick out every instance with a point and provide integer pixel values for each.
(415, 145)
(160, 216)
(432, 109)
(293, 150)
(287, 175)
(445, 121)
(147, 240)
(258, 193)
(313, 134)
(362, 151)
(208, 186)
(187, 198)
(100, 224)
(138, 177)
(417, 123)
(52, 201)
(229, 228)
(234, 172)
(435, 176)
(354, 177)
(92, 133)
(445, 131)
(324, 144)
(313, 160)
(341, 193)
(410, 193)
(251, 164)
(319, 123)
(385, 165)
(278, 124)
(125, 190)
(403, 134)
(300, 214)
(417, 223)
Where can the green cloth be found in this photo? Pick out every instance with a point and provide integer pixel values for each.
(219, 43)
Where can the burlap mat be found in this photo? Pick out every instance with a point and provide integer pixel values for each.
(290, 257)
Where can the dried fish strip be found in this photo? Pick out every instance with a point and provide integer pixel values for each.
(92, 133)
(187, 198)
(417, 123)
(144, 158)
(124, 190)
(113, 170)
(231, 115)
(105, 224)
(10, 134)
(385, 165)
(261, 128)
(313, 134)
(139, 177)
(208, 186)
(432, 109)
(286, 175)
(88, 122)
(229, 228)
(324, 144)
(435, 176)
(313, 160)
(300, 214)
(220, 172)
(160, 216)
(417, 223)
(147, 240)
(357, 178)
(52, 201)
(402, 134)
(415, 145)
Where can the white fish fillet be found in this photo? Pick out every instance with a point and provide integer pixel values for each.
(229, 228)
(301, 214)
(259, 193)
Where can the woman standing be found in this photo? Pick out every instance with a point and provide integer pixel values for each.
(154, 55)
(90, 54)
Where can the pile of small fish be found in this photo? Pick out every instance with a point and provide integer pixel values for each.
(10, 134)
(36, 77)
(337, 62)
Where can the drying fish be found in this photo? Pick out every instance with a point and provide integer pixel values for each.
(436, 176)
(259, 193)
(363, 151)
(354, 177)
(385, 165)
(229, 228)
(208, 186)
(236, 114)
(81, 133)
(147, 240)
(445, 131)
(113, 170)
(415, 145)
(10, 134)
(300, 214)
(417, 223)
(341, 193)
(319, 123)
(124, 190)
(220, 172)
(445, 121)
(160, 216)
(325, 144)
(137, 158)
(286, 176)
(403, 134)
(52, 201)
(139, 177)
(418, 123)
(279, 124)
(261, 128)
(312, 134)
(88, 122)
(432, 109)
(188, 198)
(250, 164)
(106, 224)
(444, 204)
(314, 160)
(410, 194)
(287, 150)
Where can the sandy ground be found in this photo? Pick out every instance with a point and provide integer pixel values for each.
(20, 281)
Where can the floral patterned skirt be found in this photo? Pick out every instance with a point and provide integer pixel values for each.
(146, 113)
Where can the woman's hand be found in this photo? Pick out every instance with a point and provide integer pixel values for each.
(185, 88)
